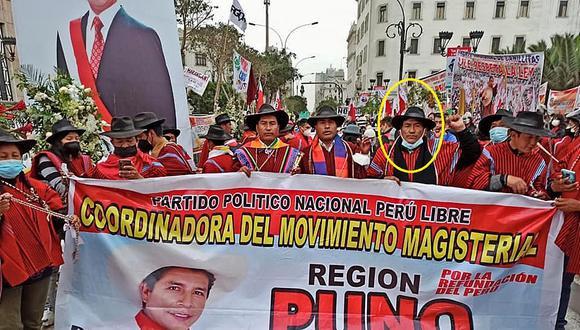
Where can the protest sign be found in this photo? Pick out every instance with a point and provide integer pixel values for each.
(543, 93)
(197, 81)
(307, 252)
(563, 102)
(482, 84)
(241, 73)
(200, 126)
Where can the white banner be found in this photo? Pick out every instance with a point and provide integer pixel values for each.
(197, 81)
(237, 16)
(241, 73)
(307, 252)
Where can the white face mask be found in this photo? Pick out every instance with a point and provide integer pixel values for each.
(555, 122)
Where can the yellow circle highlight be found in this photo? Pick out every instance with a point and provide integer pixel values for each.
(442, 125)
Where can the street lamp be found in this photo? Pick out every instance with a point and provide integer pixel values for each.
(444, 38)
(283, 43)
(9, 44)
(386, 82)
(475, 39)
(372, 81)
(296, 67)
(402, 30)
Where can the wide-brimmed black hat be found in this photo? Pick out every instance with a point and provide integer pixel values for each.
(413, 113)
(216, 133)
(23, 145)
(266, 109)
(575, 115)
(222, 119)
(146, 120)
(485, 123)
(289, 127)
(529, 122)
(174, 131)
(122, 127)
(352, 129)
(61, 129)
(326, 112)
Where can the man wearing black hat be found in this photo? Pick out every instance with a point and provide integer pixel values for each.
(171, 134)
(126, 162)
(351, 133)
(494, 128)
(225, 122)
(412, 150)
(172, 156)
(65, 150)
(329, 154)
(267, 153)
(514, 166)
(221, 158)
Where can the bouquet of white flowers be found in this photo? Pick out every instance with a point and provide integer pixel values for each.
(55, 97)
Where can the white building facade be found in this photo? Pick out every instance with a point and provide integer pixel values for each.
(505, 24)
(331, 85)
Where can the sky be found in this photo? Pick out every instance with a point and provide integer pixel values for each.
(326, 41)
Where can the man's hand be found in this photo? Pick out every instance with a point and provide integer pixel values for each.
(456, 123)
(130, 172)
(364, 146)
(561, 185)
(517, 185)
(4, 202)
(567, 204)
(75, 223)
(393, 178)
(246, 170)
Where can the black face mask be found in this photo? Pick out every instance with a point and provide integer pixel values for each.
(72, 148)
(125, 152)
(145, 146)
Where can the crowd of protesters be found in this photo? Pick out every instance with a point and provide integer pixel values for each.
(531, 154)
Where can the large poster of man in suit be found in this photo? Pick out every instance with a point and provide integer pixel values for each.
(125, 50)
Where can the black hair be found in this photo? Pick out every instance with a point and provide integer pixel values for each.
(158, 129)
(218, 142)
(350, 138)
(387, 120)
(156, 275)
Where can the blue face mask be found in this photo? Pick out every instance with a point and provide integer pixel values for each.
(498, 134)
(412, 146)
(9, 169)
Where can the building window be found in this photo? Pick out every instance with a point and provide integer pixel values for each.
(200, 60)
(412, 74)
(436, 45)
(440, 10)
(5, 87)
(495, 42)
(469, 9)
(414, 47)
(381, 48)
(563, 9)
(379, 79)
(466, 42)
(383, 14)
(416, 14)
(499, 9)
(524, 9)
(365, 54)
(367, 23)
(520, 45)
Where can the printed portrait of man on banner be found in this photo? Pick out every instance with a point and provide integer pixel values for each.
(120, 58)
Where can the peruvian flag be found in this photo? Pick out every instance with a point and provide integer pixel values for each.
(351, 112)
(278, 102)
(388, 111)
(402, 100)
(260, 100)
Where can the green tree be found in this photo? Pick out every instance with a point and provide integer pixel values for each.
(191, 15)
(205, 104)
(330, 102)
(561, 60)
(217, 42)
(295, 104)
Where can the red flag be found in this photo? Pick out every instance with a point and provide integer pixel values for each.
(402, 101)
(352, 111)
(388, 109)
(252, 88)
(260, 100)
(278, 101)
